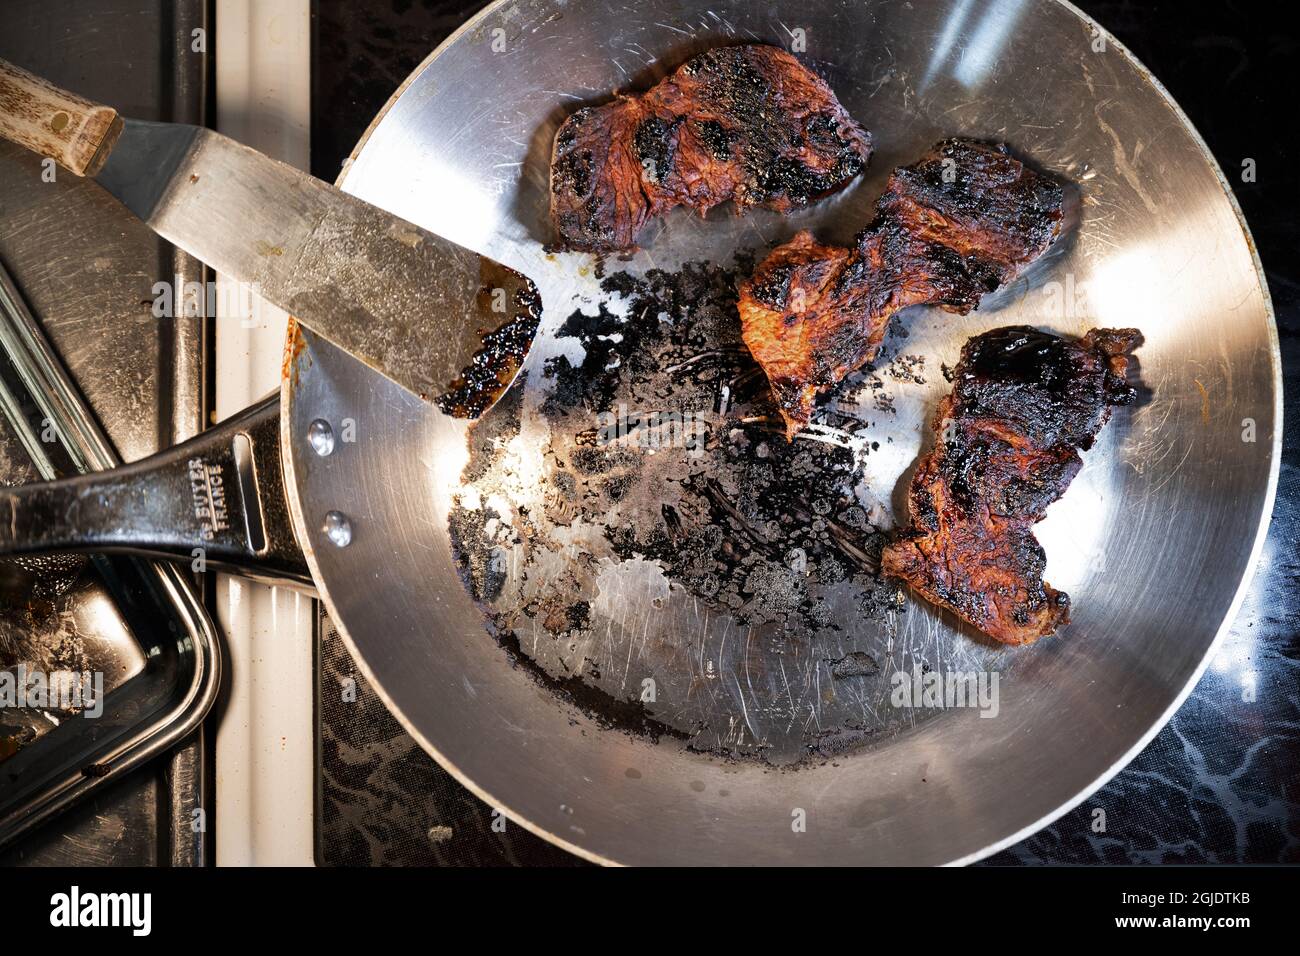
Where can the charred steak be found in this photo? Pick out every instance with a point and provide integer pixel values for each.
(747, 123)
(1007, 445)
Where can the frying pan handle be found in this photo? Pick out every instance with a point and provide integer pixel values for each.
(215, 501)
(75, 132)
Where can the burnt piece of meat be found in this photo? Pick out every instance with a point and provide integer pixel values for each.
(949, 229)
(1007, 445)
(748, 123)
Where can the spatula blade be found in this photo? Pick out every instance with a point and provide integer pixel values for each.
(439, 319)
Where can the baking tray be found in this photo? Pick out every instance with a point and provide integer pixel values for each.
(136, 626)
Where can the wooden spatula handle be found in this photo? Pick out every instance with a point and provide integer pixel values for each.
(74, 132)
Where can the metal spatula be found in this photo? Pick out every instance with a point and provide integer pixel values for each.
(442, 321)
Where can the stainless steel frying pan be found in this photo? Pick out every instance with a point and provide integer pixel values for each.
(1154, 540)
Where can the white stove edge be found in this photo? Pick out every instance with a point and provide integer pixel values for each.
(265, 747)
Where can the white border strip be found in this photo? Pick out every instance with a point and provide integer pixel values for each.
(265, 747)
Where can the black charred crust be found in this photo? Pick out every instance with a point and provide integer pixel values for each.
(655, 144)
(1119, 391)
(787, 177)
(1015, 495)
(823, 129)
(958, 281)
(1053, 390)
(734, 83)
(924, 513)
(787, 393)
(992, 200)
(966, 602)
(717, 139)
(840, 347)
(772, 287)
(853, 276)
(979, 604)
(778, 172)
(591, 225)
(567, 134)
(1115, 344)
(985, 472)
(984, 181)
(572, 172)
(493, 367)
(964, 462)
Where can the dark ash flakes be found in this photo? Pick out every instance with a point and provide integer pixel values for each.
(756, 526)
(765, 533)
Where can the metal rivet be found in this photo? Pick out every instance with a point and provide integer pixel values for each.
(321, 436)
(337, 528)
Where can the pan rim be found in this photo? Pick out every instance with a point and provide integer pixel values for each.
(1263, 520)
(1270, 496)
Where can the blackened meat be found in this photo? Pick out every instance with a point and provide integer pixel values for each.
(1007, 444)
(747, 123)
(953, 227)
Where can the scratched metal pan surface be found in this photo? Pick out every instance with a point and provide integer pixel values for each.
(765, 753)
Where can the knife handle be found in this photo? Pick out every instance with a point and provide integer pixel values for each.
(74, 132)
